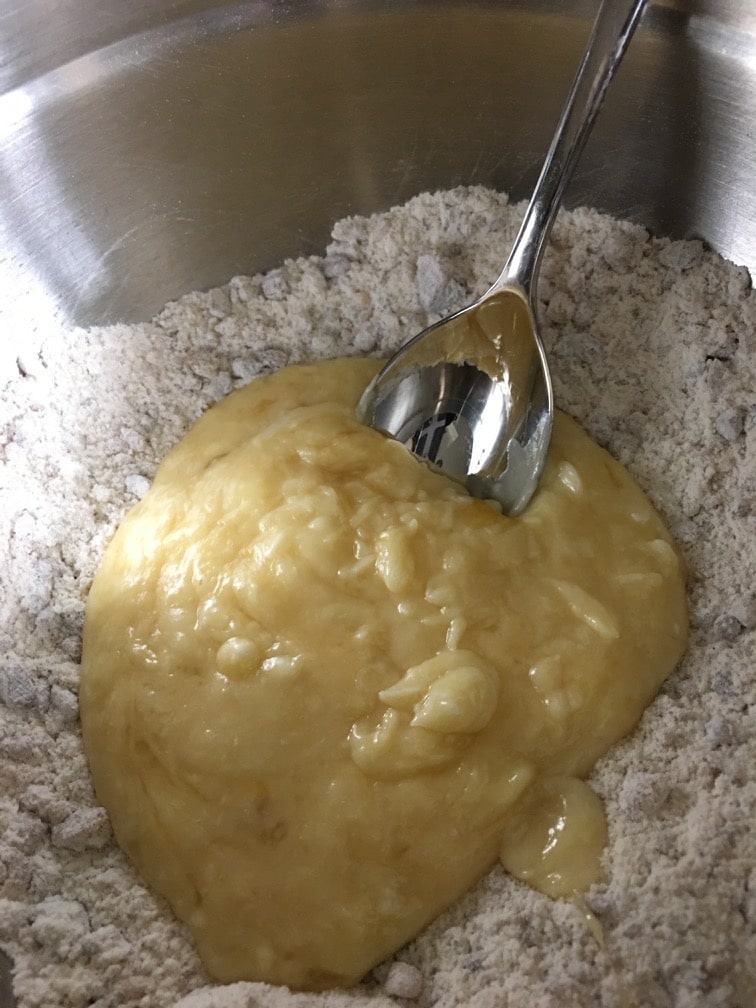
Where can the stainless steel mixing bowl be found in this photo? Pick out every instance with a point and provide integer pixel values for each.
(150, 149)
(147, 149)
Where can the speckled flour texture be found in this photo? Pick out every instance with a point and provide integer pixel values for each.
(653, 350)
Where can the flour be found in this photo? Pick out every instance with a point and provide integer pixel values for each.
(652, 346)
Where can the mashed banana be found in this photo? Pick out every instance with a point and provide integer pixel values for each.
(323, 689)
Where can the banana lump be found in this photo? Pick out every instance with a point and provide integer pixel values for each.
(324, 690)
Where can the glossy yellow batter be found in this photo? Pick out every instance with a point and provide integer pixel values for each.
(323, 689)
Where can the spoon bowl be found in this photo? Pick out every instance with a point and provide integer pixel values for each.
(471, 394)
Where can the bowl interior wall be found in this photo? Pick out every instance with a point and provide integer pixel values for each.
(225, 139)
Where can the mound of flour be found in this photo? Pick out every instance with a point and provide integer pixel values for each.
(653, 348)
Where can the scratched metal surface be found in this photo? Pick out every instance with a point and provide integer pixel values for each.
(147, 153)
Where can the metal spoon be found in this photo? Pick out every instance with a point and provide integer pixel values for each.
(472, 393)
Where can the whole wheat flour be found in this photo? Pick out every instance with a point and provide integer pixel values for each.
(652, 345)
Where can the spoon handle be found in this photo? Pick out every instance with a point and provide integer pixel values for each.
(614, 26)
